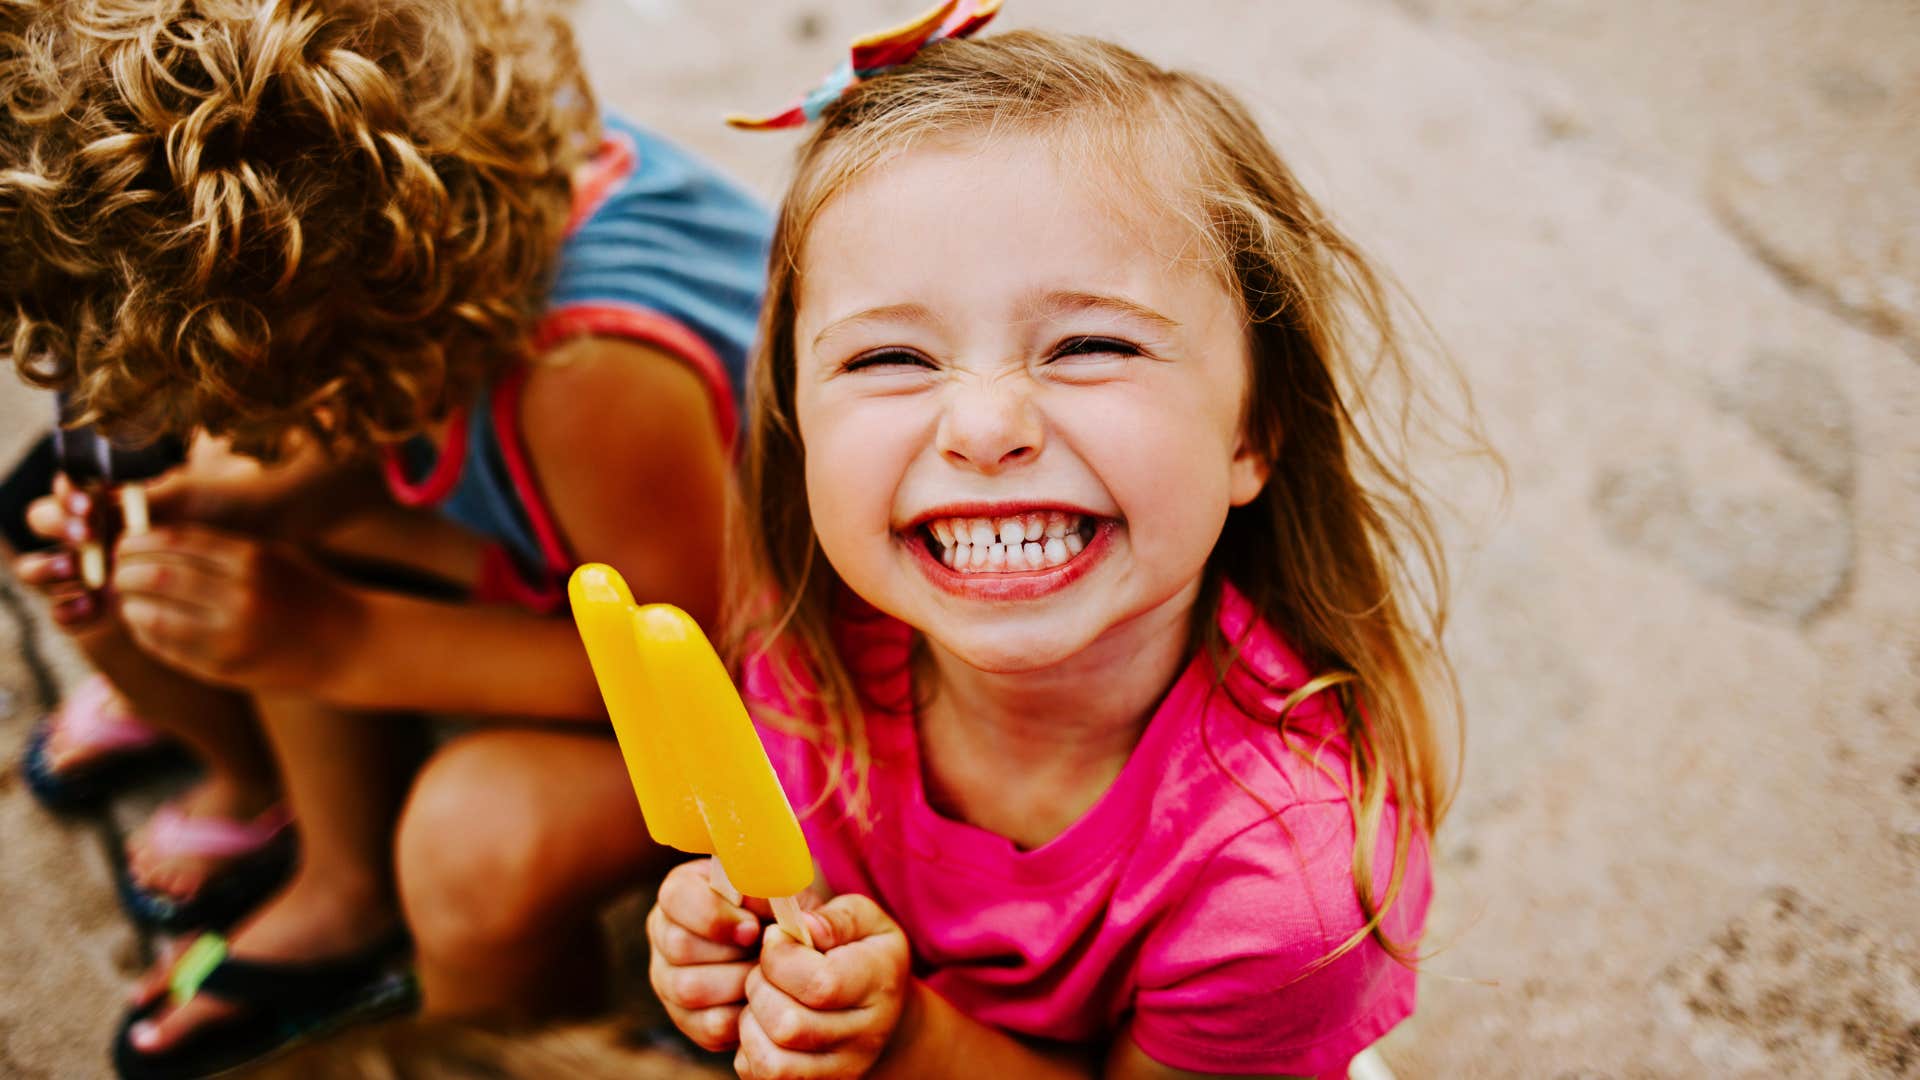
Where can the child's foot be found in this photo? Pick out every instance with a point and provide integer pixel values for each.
(191, 840)
(89, 747)
(309, 922)
(93, 724)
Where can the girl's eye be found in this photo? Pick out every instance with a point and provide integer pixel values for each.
(1086, 345)
(882, 359)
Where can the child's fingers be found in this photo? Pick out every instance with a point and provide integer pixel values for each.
(680, 945)
(46, 569)
(191, 543)
(699, 986)
(819, 980)
(48, 518)
(178, 633)
(74, 610)
(717, 1028)
(790, 1025)
(848, 918)
(187, 584)
(688, 900)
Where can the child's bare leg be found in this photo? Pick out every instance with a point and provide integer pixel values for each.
(344, 775)
(216, 725)
(509, 845)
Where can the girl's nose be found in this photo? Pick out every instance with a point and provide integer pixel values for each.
(990, 425)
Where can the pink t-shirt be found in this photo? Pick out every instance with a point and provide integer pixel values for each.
(1178, 909)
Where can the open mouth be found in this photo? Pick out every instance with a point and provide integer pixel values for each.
(1037, 540)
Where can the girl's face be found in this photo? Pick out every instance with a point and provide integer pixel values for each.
(1021, 400)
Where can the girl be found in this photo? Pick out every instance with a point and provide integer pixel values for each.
(332, 235)
(1085, 657)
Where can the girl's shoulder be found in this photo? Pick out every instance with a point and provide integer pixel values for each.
(1239, 741)
(1246, 860)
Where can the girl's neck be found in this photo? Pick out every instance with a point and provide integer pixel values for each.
(1026, 754)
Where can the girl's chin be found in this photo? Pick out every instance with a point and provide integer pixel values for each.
(1010, 654)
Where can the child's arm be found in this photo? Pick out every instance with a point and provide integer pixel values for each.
(625, 445)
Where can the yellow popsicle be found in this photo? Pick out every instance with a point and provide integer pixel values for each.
(750, 823)
(703, 779)
(603, 610)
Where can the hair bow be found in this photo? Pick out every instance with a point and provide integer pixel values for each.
(876, 53)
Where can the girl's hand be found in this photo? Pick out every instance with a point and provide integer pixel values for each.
(702, 952)
(829, 1013)
(231, 609)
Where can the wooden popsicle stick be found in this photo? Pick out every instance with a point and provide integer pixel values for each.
(786, 912)
(717, 877)
(93, 564)
(133, 508)
(786, 909)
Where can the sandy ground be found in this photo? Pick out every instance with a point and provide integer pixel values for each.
(1676, 251)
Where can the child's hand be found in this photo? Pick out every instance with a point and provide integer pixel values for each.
(231, 609)
(829, 1013)
(56, 574)
(66, 517)
(702, 952)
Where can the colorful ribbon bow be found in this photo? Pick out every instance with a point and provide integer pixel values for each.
(874, 54)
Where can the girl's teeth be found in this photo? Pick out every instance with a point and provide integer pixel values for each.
(1034, 541)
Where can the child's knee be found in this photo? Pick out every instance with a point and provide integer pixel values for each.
(475, 849)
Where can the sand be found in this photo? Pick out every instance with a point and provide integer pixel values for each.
(1675, 250)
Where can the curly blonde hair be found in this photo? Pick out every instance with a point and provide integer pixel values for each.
(1339, 553)
(258, 217)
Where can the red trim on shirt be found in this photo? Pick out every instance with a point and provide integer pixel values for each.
(501, 582)
(513, 454)
(613, 162)
(441, 479)
(601, 318)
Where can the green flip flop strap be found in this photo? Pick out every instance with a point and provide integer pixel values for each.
(194, 965)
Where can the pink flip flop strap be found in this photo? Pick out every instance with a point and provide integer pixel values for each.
(92, 718)
(174, 834)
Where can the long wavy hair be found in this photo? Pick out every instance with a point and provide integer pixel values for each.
(1339, 553)
(258, 217)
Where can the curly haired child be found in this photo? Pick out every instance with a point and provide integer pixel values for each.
(423, 310)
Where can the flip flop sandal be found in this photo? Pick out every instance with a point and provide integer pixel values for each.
(284, 1005)
(261, 854)
(123, 748)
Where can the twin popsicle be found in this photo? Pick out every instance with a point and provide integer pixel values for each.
(703, 779)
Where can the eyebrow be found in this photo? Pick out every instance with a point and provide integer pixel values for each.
(1058, 302)
(1069, 301)
(888, 313)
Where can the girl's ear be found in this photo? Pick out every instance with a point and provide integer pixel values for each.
(1248, 474)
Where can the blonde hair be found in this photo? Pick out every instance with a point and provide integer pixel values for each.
(1338, 554)
(263, 216)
